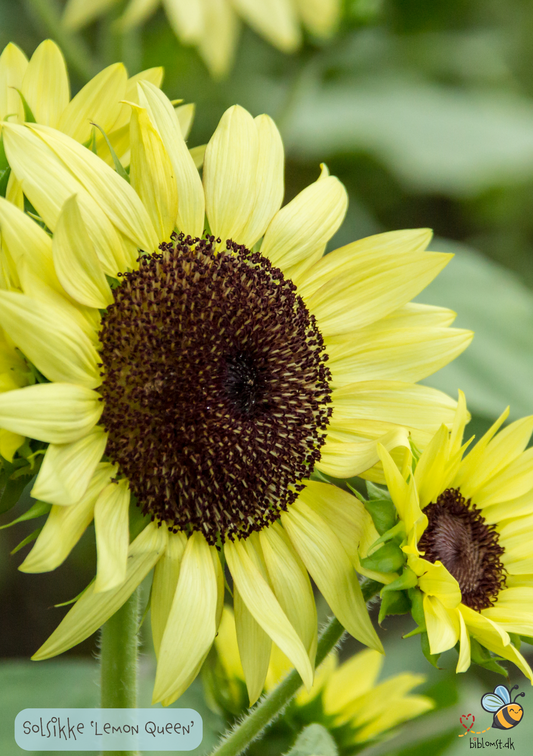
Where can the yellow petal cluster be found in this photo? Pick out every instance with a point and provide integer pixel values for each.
(347, 694)
(212, 26)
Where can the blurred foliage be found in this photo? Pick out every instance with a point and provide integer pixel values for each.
(425, 112)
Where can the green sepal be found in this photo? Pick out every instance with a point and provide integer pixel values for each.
(515, 640)
(388, 558)
(380, 507)
(393, 602)
(38, 509)
(14, 478)
(483, 658)
(118, 165)
(28, 113)
(432, 658)
(397, 532)
(5, 170)
(314, 740)
(137, 521)
(407, 579)
(28, 539)
(417, 606)
(73, 600)
(526, 639)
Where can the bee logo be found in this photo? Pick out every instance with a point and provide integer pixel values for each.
(507, 713)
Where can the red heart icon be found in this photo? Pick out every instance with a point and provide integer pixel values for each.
(467, 720)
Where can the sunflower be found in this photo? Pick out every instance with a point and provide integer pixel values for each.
(194, 380)
(345, 697)
(467, 521)
(39, 90)
(213, 25)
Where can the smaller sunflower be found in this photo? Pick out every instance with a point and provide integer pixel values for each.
(212, 26)
(345, 698)
(468, 524)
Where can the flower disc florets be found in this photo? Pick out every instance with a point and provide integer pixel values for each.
(458, 536)
(215, 387)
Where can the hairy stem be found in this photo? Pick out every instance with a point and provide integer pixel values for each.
(119, 651)
(272, 705)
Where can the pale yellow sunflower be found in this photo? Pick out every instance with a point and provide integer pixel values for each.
(346, 697)
(212, 26)
(208, 376)
(468, 526)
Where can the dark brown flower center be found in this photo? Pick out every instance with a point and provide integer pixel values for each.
(458, 536)
(215, 387)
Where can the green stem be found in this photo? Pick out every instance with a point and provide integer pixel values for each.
(271, 706)
(119, 647)
(74, 48)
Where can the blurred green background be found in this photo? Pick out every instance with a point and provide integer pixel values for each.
(425, 111)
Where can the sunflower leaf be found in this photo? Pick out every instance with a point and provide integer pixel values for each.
(314, 740)
(13, 481)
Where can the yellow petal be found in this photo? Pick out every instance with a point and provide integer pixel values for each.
(395, 354)
(513, 481)
(351, 680)
(463, 662)
(57, 347)
(87, 319)
(219, 39)
(111, 525)
(137, 12)
(254, 648)
(275, 20)
(191, 625)
(14, 193)
(48, 184)
(186, 17)
(431, 470)
(191, 205)
(269, 181)
(25, 238)
(374, 287)
(345, 459)
(56, 413)
(291, 585)
(13, 65)
(437, 581)
(45, 85)
(442, 625)
(9, 444)
(67, 469)
(264, 607)
(78, 13)
(330, 567)
(473, 459)
(321, 17)
(97, 102)
(307, 222)
(93, 609)
(115, 197)
(164, 585)
(75, 260)
(151, 174)
(152, 75)
(185, 115)
(230, 167)
(65, 526)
